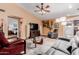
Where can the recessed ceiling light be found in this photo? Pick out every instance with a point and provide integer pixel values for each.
(70, 6)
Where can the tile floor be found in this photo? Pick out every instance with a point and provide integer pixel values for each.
(40, 49)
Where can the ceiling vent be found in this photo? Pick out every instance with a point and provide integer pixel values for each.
(2, 10)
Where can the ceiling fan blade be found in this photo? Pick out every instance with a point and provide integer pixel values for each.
(38, 7)
(47, 6)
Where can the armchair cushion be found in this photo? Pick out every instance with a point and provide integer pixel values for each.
(3, 40)
(12, 49)
(15, 43)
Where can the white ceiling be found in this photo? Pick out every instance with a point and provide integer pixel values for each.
(56, 9)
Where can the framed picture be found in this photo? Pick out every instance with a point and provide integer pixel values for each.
(56, 25)
(45, 23)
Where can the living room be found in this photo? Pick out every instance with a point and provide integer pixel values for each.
(43, 28)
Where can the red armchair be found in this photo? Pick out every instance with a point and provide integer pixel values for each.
(11, 48)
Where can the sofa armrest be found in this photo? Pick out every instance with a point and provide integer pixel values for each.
(74, 49)
(61, 50)
(20, 41)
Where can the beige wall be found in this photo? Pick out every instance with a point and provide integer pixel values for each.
(60, 30)
(45, 29)
(15, 10)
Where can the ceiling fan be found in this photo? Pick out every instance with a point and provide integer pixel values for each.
(42, 9)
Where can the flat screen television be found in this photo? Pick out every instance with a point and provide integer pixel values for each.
(33, 26)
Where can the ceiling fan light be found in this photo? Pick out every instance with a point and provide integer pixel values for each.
(42, 12)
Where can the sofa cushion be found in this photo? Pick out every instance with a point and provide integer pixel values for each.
(50, 51)
(57, 52)
(62, 44)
